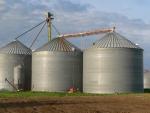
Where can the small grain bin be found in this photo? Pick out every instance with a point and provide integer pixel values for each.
(113, 65)
(57, 66)
(15, 67)
(146, 79)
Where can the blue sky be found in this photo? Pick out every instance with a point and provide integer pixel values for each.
(131, 18)
(130, 8)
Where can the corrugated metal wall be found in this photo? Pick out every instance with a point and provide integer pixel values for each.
(56, 67)
(15, 66)
(147, 79)
(113, 64)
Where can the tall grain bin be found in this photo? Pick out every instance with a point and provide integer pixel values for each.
(15, 67)
(113, 65)
(57, 66)
(147, 79)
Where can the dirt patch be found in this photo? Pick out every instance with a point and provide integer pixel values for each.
(88, 104)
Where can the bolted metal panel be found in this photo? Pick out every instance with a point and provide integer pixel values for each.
(15, 67)
(147, 79)
(114, 40)
(59, 44)
(15, 47)
(57, 70)
(19, 76)
(111, 70)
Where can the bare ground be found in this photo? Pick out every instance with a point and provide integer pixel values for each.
(131, 103)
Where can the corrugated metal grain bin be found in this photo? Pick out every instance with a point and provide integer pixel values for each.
(113, 65)
(57, 66)
(15, 67)
(147, 79)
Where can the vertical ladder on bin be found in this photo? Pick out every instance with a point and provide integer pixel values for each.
(11, 84)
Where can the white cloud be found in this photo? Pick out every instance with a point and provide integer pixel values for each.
(72, 17)
(2, 2)
(69, 17)
(2, 5)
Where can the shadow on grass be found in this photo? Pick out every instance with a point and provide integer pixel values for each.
(146, 90)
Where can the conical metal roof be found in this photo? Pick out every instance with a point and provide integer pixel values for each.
(15, 47)
(114, 40)
(60, 45)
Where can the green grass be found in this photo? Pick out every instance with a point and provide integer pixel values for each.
(146, 90)
(51, 94)
(41, 94)
(6, 94)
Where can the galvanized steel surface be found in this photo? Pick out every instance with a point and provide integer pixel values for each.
(58, 44)
(147, 79)
(56, 70)
(114, 40)
(16, 67)
(15, 47)
(111, 70)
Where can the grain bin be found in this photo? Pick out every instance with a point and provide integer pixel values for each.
(113, 65)
(57, 66)
(146, 79)
(15, 67)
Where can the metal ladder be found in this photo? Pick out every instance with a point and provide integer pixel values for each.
(11, 84)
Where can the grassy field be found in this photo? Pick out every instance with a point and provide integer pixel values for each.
(41, 94)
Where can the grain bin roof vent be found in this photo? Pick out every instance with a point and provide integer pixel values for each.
(15, 47)
(60, 45)
(114, 40)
